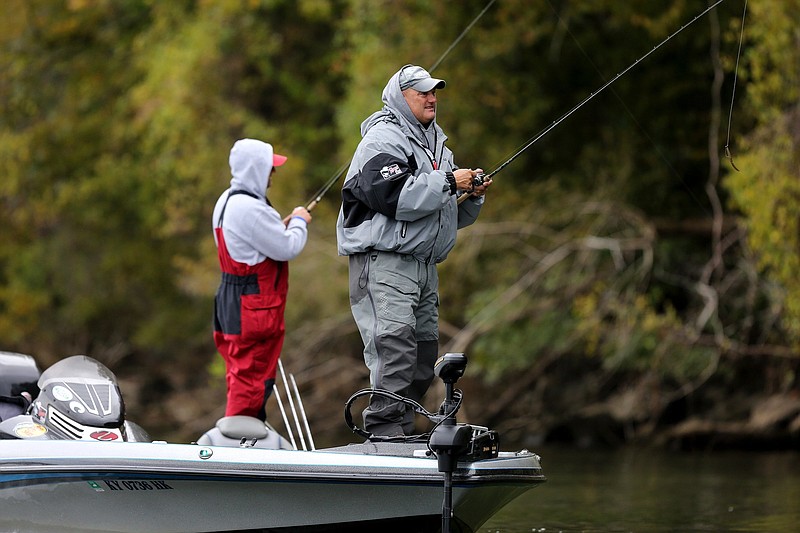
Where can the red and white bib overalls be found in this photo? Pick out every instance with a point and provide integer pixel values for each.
(249, 326)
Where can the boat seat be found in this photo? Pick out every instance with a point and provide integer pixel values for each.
(11, 406)
(236, 427)
(230, 430)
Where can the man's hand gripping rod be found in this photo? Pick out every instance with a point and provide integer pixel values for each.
(477, 181)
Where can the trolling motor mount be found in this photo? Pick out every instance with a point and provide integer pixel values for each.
(449, 439)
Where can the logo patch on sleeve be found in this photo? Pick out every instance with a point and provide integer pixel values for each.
(391, 171)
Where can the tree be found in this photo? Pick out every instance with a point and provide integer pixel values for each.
(610, 256)
(767, 190)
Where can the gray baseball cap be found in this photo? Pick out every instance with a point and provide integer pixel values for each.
(417, 78)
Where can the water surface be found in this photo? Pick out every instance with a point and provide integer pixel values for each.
(643, 490)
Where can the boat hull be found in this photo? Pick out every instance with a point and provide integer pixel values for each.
(140, 487)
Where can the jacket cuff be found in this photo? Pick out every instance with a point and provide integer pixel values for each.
(451, 180)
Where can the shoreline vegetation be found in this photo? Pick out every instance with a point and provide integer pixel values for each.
(625, 283)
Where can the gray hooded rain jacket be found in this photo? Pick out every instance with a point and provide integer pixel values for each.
(396, 196)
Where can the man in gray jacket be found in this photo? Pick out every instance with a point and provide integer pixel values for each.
(398, 220)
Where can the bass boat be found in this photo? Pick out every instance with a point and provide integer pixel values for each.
(70, 462)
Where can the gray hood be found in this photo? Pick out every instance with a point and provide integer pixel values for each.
(395, 109)
(251, 165)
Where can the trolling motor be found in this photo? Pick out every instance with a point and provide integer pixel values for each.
(448, 439)
(451, 441)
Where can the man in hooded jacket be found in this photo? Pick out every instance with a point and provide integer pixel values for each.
(398, 220)
(254, 246)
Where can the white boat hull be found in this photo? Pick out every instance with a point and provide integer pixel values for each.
(142, 487)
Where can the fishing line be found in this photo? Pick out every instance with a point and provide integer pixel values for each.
(333, 179)
(463, 33)
(733, 91)
(533, 140)
(627, 109)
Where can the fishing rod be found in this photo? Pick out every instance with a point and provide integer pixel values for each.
(333, 179)
(325, 188)
(480, 179)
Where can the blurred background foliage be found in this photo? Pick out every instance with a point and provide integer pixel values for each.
(622, 252)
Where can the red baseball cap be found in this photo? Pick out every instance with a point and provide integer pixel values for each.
(278, 160)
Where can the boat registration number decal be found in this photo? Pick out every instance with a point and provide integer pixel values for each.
(133, 485)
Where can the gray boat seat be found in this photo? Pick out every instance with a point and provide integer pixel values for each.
(11, 406)
(230, 430)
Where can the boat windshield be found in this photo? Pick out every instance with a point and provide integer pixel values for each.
(77, 366)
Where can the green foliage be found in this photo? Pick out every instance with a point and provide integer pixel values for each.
(629, 334)
(767, 190)
(116, 119)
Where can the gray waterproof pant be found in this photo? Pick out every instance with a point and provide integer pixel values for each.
(395, 303)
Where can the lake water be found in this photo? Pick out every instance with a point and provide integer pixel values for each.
(645, 490)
